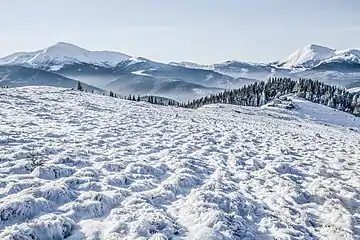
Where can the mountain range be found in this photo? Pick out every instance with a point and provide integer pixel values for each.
(63, 64)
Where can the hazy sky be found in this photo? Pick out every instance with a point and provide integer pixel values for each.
(204, 31)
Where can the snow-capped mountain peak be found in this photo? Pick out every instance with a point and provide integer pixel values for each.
(63, 53)
(310, 55)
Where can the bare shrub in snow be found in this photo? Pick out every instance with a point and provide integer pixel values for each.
(35, 159)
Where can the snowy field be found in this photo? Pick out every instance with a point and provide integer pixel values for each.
(83, 166)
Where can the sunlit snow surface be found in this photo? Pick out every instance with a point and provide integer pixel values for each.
(117, 169)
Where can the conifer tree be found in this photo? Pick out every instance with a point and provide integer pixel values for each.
(79, 86)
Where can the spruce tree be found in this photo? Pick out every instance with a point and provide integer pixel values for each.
(357, 107)
(79, 86)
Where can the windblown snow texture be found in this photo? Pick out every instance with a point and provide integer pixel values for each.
(76, 165)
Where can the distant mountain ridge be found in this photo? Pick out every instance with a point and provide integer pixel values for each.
(63, 53)
(117, 71)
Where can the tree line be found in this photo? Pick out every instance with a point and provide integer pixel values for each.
(259, 93)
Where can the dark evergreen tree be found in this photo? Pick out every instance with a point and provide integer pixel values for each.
(79, 86)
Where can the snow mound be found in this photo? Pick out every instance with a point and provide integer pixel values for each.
(117, 169)
(21, 208)
(50, 226)
(53, 172)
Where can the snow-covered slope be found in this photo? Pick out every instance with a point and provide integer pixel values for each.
(292, 107)
(116, 169)
(60, 54)
(355, 89)
(18, 76)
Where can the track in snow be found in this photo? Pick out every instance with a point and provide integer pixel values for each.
(117, 169)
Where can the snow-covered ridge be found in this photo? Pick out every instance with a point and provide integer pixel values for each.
(214, 66)
(64, 53)
(193, 65)
(350, 55)
(117, 169)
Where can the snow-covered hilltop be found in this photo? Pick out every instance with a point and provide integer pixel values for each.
(62, 54)
(77, 165)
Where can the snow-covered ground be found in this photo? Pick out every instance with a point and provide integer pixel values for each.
(117, 169)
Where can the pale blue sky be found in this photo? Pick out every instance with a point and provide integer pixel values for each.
(204, 31)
